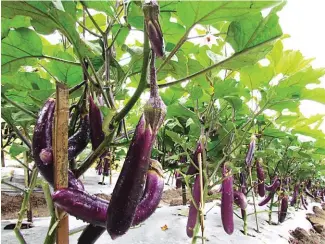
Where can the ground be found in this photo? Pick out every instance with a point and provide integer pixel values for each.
(166, 226)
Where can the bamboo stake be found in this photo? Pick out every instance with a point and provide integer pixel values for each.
(61, 163)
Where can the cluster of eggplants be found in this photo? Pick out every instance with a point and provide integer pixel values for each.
(272, 189)
(93, 210)
(261, 178)
(42, 143)
(227, 200)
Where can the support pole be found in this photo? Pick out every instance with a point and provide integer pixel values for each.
(60, 149)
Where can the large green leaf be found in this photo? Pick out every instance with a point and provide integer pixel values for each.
(254, 29)
(16, 22)
(18, 48)
(47, 15)
(193, 12)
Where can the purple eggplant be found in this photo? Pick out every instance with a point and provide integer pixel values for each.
(130, 184)
(152, 193)
(79, 140)
(227, 200)
(240, 200)
(243, 183)
(302, 199)
(178, 178)
(295, 195)
(250, 153)
(309, 193)
(91, 234)
(94, 210)
(261, 178)
(283, 209)
(82, 205)
(96, 121)
(194, 207)
(42, 146)
(151, 13)
(194, 169)
(275, 186)
(106, 166)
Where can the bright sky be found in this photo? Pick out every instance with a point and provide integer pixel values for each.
(304, 21)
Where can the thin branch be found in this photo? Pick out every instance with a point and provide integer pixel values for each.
(91, 32)
(142, 84)
(92, 19)
(41, 56)
(76, 87)
(216, 65)
(13, 186)
(18, 160)
(19, 134)
(98, 82)
(115, 37)
(19, 106)
(217, 34)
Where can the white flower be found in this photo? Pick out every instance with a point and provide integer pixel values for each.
(208, 40)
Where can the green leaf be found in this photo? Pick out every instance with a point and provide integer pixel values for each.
(66, 73)
(17, 149)
(317, 94)
(172, 94)
(46, 13)
(275, 133)
(254, 29)
(102, 6)
(193, 12)
(256, 76)
(16, 22)
(18, 47)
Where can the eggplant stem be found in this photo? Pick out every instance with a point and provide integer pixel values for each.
(253, 194)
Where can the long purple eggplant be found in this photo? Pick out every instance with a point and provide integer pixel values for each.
(130, 184)
(275, 186)
(227, 200)
(96, 122)
(194, 169)
(302, 199)
(308, 193)
(240, 200)
(283, 209)
(93, 210)
(243, 183)
(79, 140)
(250, 152)
(178, 178)
(91, 234)
(194, 211)
(295, 195)
(261, 178)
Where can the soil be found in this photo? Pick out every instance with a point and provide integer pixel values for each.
(315, 235)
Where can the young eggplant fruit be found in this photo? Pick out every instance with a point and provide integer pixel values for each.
(193, 169)
(194, 207)
(261, 178)
(155, 35)
(251, 150)
(227, 200)
(283, 210)
(240, 200)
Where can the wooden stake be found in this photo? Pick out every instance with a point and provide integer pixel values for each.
(60, 150)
